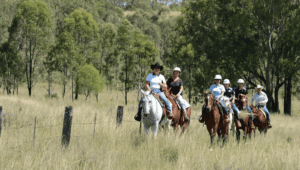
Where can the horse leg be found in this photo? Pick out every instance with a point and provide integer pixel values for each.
(176, 128)
(245, 134)
(238, 133)
(146, 129)
(184, 126)
(154, 129)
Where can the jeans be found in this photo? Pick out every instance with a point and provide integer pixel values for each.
(235, 110)
(164, 98)
(266, 111)
(183, 106)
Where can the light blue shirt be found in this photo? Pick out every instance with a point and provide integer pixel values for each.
(262, 97)
(217, 90)
(154, 81)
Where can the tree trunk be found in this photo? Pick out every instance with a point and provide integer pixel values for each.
(126, 67)
(49, 84)
(288, 97)
(276, 103)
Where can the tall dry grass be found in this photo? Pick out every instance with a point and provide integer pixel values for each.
(123, 147)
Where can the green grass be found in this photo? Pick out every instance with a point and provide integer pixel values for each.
(123, 147)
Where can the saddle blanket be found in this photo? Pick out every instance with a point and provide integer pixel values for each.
(262, 110)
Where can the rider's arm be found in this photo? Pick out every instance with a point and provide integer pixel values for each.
(265, 99)
(180, 91)
(148, 86)
(252, 99)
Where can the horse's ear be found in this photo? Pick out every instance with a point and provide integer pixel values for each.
(205, 93)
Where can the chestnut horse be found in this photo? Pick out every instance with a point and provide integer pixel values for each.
(241, 104)
(178, 115)
(260, 121)
(213, 121)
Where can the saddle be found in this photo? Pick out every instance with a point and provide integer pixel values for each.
(176, 101)
(161, 102)
(262, 110)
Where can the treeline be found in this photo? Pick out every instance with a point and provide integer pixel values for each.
(254, 40)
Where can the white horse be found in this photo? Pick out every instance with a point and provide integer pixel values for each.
(226, 102)
(151, 113)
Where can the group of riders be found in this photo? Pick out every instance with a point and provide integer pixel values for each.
(155, 81)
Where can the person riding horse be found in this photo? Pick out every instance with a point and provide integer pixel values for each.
(154, 82)
(261, 100)
(230, 93)
(176, 85)
(242, 91)
(218, 92)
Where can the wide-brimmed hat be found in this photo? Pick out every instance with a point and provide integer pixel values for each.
(157, 65)
(259, 87)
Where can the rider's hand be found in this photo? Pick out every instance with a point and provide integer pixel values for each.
(259, 103)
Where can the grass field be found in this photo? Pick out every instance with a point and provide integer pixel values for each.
(123, 147)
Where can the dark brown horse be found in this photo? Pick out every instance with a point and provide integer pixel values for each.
(178, 115)
(213, 121)
(241, 104)
(260, 120)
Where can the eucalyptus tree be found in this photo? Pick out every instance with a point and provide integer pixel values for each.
(246, 37)
(79, 34)
(89, 80)
(124, 49)
(29, 34)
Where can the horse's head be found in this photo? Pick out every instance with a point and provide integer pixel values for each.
(242, 101)
(146, 102)
(209, 101)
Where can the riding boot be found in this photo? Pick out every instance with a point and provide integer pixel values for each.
(269, 123)
(201, 119)
(169, 114)
(185, 116)
(138, 116)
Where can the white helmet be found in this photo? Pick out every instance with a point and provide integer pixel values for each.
(218, 77)
(226, 81)
(177, 69)
(240, 81)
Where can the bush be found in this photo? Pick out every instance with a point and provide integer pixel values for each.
(53, 95)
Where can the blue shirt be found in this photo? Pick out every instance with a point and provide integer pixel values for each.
(217, 90)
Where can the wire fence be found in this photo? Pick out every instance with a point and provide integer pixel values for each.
(11, 128)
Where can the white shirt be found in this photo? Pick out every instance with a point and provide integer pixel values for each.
(154, 81)
(262, 97)
(217, 90)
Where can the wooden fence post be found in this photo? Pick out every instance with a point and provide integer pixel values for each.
(34, 131)
(95, 124)
(66, 132)
(120, 115)
(1, 119)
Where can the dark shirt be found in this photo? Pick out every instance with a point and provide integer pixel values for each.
(229, 92)
(240, 91)
(175, 85)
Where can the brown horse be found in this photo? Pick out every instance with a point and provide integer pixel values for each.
(213, 121)
(260, 121)
(178, 115)
(241, 104)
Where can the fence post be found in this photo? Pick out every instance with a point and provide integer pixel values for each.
(120, 115)
(95, 124)
(1, 118)
(66, 133)
(34, 131)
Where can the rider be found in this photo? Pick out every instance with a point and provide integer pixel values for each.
(243, 91)
(229, 92)
(218, 92)
(154, 82)
(177, 87)
(261, 99)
